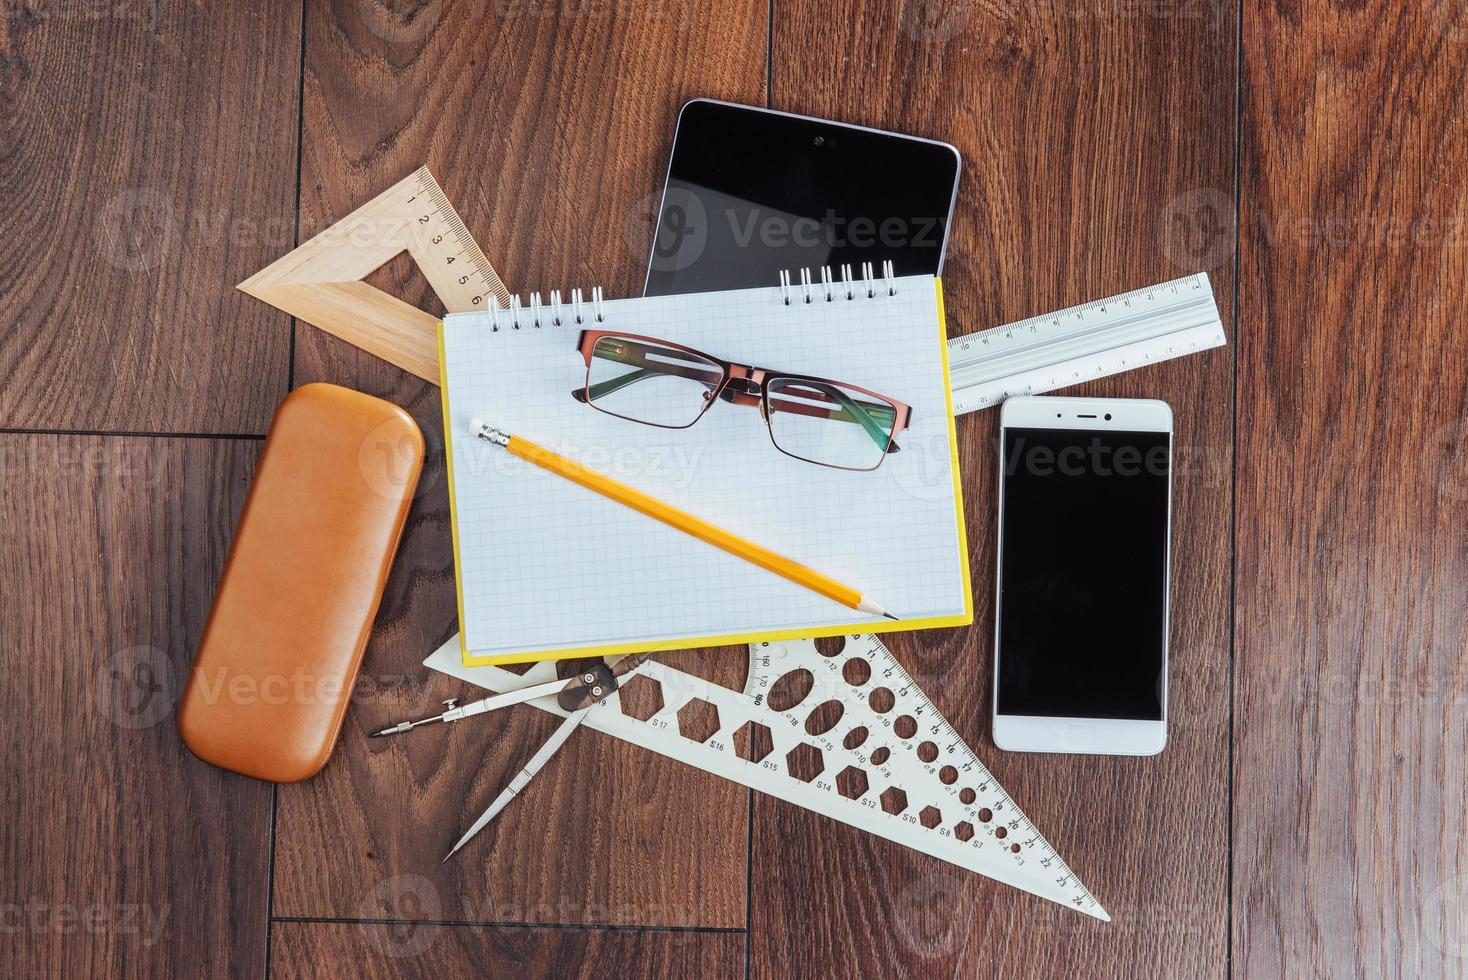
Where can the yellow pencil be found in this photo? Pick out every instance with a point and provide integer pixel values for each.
(680, 519)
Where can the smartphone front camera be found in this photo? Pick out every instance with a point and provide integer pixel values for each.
(1107, 416)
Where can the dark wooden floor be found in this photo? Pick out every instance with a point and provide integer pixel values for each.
(1309, 814)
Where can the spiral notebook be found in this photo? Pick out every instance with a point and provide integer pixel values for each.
(548, 569)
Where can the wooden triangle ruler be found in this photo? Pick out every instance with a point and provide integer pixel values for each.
(321, 281)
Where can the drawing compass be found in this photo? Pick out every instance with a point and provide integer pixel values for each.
(578, 695)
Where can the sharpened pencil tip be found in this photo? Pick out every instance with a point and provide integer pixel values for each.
(868, 606)
(891, 617)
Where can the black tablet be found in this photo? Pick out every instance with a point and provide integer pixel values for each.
(752, 191)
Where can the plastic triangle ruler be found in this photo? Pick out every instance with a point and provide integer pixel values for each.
(320, 282)
(840, 729)
(1082, 343)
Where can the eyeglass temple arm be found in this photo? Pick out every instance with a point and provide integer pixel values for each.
(610, 385)
(850, 410)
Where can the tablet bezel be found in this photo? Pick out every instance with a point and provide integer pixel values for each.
(680, 132)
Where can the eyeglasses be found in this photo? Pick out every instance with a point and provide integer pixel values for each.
(658, 382)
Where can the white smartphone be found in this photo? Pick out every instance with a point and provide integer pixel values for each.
(1081, 611)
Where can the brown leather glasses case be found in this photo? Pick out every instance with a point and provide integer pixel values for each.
(305, 573)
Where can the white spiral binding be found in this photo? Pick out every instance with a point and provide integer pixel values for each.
(539, 311)
(828, 285)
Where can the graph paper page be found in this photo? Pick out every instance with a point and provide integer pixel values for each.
(548, 566)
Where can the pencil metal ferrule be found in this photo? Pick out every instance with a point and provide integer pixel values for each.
(489, 433)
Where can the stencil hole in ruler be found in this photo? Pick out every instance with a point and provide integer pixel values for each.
(963, 830)
(880, 755)
(641, 697)
(805, 762)
(985, 815)
(967, 795)
(855, 738)
(905, 726)
(790, 690)
(824, 717)
(894, 800)
(882, 700)
(928, 752)
(698, 720)
(856, 672)
(930, 817)
(753, 742)
(830, 646)
(948, 775)
(851, 783)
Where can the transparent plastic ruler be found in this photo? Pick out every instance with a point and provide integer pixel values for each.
(1082, 343)
(835, 726)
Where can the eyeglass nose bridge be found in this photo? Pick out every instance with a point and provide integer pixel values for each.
(746, 386)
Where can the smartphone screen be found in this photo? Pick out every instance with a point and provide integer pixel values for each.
(751, 193)
(1082, 609)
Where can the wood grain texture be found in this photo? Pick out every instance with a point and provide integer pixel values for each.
(149, 166)
(382, 952)
(150, 154)
(123, 855)
(549, 129)
(1094, 145)
(1349, 824)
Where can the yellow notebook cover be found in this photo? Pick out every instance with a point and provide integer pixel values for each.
(546, 569)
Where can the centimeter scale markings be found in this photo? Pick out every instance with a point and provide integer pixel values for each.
(462, 289)
(1082, 343)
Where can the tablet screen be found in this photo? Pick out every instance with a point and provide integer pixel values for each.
(752, 192)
